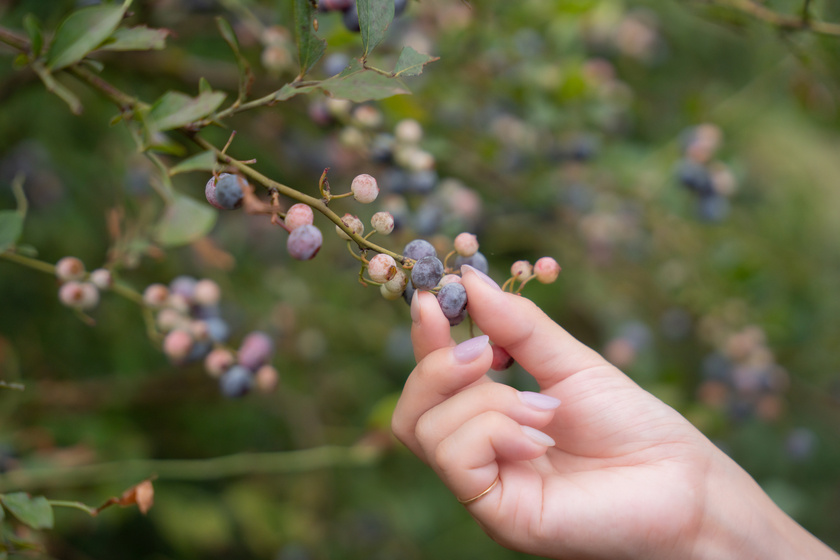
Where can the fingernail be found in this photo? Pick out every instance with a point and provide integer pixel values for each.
(489, 281)
(538, 436)
(470, 349)
(415, 307)
(539, 401)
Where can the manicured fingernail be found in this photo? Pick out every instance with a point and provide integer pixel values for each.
(538, 436)
(539, 400)
(489, 281)
(415, 307)
(470, 349)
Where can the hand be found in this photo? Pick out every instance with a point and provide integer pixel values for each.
(593, 466)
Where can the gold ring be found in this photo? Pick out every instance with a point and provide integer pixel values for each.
(474, 498)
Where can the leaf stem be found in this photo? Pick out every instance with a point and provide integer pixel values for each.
(92, 511)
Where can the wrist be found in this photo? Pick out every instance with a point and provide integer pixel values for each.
(741, 522)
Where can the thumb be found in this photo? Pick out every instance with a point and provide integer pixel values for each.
(516, 324)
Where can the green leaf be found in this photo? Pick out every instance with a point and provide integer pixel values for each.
(374, 18)
(290, 90)
(245, 74)
(359, 84)
(184, 221)
(411, 62)
(36, 37)
(82, 31)
(33, 512)
(175, 109)
(204, 86)
(11, 226)
(310, 46)
(205, 161)
(140, 38)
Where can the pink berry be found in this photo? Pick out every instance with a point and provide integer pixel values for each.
(256, 349)
(448, 279)
(466, 244)
(210, 193)
(382, 268)
(70, 268)
(364, 188)
(304, 242)
(177, 345)
(409, 131)
(546, 270)
(207, 292)
(353, 223)
(78, 295)
(267, 378)
(521, 269)
(383, 222)
(218, 361)
(299, 215)
(501, 359)
(155, 295)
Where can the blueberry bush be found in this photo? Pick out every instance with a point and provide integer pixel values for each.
(212, 213)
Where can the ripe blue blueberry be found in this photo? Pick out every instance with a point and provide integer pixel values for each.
(452, 299)
(418, 249)
(426, 273)
(236, 382)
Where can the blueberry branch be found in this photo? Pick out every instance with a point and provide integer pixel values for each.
(305, 460)
(786, 22)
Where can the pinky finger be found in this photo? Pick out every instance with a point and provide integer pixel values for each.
(468, 459)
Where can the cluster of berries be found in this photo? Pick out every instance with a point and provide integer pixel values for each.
(80, 289)
(742, 376)
(187, 313)
(350, 15)
(711, 181)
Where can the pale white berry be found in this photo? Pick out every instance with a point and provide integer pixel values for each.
(207, 292)
(388, 294)
(353, 223)
(409, 131)
(218, 361)
(70, 268)
(78, 295)
(382, 268)
(521, 269)
(398, 283)
(364, 188)
(155, 295)
(383, 222)
(101, 278)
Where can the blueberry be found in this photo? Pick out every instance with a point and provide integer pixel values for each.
(236, 382)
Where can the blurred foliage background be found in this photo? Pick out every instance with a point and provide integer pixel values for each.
(680, 161)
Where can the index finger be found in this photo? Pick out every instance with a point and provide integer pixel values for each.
(531, 337)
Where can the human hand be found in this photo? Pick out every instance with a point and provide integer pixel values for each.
(609, 471)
